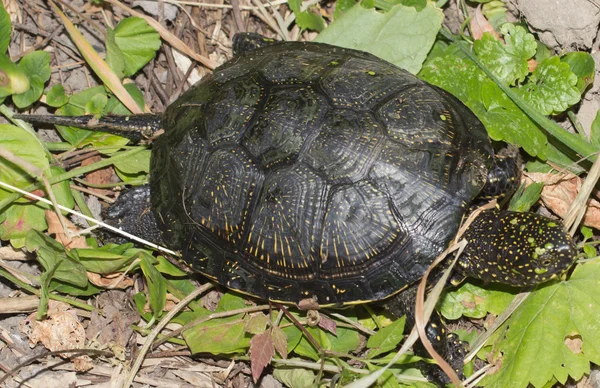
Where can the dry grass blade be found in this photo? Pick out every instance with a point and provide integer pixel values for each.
(423, 311)
(578, 208)
(100, 67)
(481, 340)
(174, 41)
(161, 325)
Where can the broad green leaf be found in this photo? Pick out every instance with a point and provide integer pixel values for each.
(114, 55)
(553, 334)
(341, 6)
(503, 120)
(53, 256)
(218, 336)
(295, 378)
(136, 164)
(37, 67)
(508, 61)
(551, 88)
(18, 220)
(56, 96)
(387, 338)
(256, 323)
(166, 267)
(475, 302)
(305, 348)
(104, 260)
(14, 79)
(526, 197)
(495, 13)
(5, 29)
(404, 36)
(295, 5)
(25, 146)
(307, 20)
(583, 66)
(96, 104)
(65, 288)
(138, 42)
(157, 289)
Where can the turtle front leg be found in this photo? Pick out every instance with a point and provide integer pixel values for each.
(447, 344)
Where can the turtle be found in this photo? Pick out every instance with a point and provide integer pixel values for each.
(302, 170)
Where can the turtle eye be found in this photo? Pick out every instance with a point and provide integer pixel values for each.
(546, 262)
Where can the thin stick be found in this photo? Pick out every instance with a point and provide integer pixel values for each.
(112, 228)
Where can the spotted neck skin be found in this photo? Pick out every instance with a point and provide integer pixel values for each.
(519, 249)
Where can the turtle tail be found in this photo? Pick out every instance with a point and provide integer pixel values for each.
(134, 127)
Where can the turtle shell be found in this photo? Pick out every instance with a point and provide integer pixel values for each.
(304, 170)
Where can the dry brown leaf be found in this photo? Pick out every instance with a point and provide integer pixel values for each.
(261, 352)
(13, 10)
(61, 330)
(559, 193)
(480, 25)
(55, 228)
(328, 324)
(102, 176)
(279, 341)
(110, 281)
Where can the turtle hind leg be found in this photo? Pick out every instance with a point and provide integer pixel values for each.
(132, 214)
(248, 41)
(446, 344)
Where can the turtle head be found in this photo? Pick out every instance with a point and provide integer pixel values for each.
(519, 249)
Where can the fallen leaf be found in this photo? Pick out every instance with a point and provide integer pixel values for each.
(261, 352)
(559, 193)
(480, 25)
(61, 330)
(110, 281)
(328, 324)
(55, 228)
(98, 177)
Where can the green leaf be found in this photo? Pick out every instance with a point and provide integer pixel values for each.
(218, 336)
(503, 120)
(307, 20)
(138, 163)
(256, 324)
(475, 302)
(583, 66)
(106, 259)
(37, 67)
(295, 5)
(495, 13)
(168, 268)
(157, 288)
(138, 42)
(12, 78)
(508, 61)
(404, 36)
(18, 220)
(541, 338)
(526, 197)
(24, 145)
(341, 6)
(552, 87)
(56, 96)
(595, 130)
(96, 104)
(53, 256)
(295, 378)
(5, 29)
(64, 288)
(386, 339)
(114, 55)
